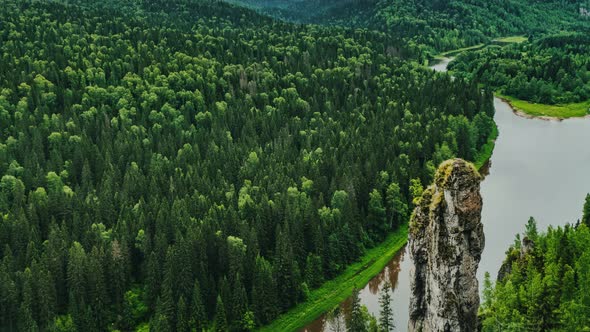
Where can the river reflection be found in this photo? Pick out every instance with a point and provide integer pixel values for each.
(396, 273)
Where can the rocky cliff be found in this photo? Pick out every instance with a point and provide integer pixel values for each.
(446, 241)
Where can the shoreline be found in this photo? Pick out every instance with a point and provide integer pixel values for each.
(519, 112)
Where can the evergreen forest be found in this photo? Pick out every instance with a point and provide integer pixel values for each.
(206, 165)
(544, 282)
(434, 25)
(554, 69)
(189, 165)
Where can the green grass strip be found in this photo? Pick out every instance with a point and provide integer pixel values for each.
(486, 151)
(459, 50)
(564, 111)
(334, 291)
(511, 39)
(502, 40)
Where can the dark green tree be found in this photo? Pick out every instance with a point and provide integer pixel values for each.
(356, 322)
(220, 322)
(386, 323)
(264, 292)
(182, 316)
(586, 212)
(198, 313)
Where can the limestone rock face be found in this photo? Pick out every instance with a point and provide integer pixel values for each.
(445, 242)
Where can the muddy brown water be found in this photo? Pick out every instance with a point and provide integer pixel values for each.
(539, 168)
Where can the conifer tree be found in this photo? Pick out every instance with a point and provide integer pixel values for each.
(264, 291)
(386, 313)
(220, 322)
(182, 316)
(586, 213)
(198, 313)
(356, 322)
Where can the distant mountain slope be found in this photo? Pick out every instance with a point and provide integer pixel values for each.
(448, 24)
(439, 24)
(352, 13)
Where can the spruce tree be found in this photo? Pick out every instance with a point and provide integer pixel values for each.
(239, 301)
(220, 316)
(286, 271)
(386, 313)
(586, 214)
(264, 292)
(182, 316)
(198, 313)
(356, 321)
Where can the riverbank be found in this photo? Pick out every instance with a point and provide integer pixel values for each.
(484, 155)
(460, 50)
(497, 41)
(334, 291)
(547, 112)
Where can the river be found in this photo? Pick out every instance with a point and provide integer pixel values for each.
(539, 168)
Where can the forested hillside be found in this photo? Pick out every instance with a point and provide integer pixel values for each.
(451, 24)
(349, 13)
(180, 165)
(552, 70)
(437, 25)
(544, 284)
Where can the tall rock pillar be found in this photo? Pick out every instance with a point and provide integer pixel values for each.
(445, 242)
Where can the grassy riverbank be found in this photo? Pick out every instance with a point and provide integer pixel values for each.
(502, 41)
(331, 293)
(487, 149)
(459, 50)
(551, 111)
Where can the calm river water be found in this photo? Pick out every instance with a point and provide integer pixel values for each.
(539, 168)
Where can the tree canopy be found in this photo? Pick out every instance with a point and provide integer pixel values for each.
(544, 284)
(554, 69)
(188, 164)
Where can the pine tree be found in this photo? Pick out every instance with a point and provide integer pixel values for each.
(45, 294)
(264, 292)
(586, 214)
(182, 316)
(386, 313)
(314, 276)
(77, 272)
(356, 321)
(198, 313)
(8, 299)
(220, 317)
(487, 292)
(162, 320)
(286, 272)
(153, 280)
(531, 229)
(239, 301)
(26, 321)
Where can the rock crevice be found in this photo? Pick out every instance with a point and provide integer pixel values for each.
(445, 242)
